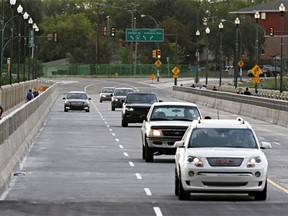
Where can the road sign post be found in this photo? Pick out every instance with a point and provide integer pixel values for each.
(144, 35)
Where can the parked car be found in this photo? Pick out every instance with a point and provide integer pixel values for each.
(166, 122)
(77, 100)
(220, 156)
(136, 106)
(118, 97)
(105, 94)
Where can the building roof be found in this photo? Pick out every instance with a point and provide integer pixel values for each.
(271, 7)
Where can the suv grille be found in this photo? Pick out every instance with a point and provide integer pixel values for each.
(172, 131)
(225, 162)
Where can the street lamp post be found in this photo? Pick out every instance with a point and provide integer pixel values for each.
(20, 11)
(282, 10)
(30, 22)
(237, 22)
(256, 16)
(221, 26)
(25, 17)
(3, 26)
(207, 31)
(197, 56)
(157, 44)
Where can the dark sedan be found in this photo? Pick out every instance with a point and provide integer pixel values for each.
(119, 96)
(77, 100)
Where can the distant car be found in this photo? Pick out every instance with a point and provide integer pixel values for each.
(118, 97)
(105, 94)
(77, 100)
(136, 106)
(220, 156)
(166, 123)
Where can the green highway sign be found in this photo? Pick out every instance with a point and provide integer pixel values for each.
(145, 35)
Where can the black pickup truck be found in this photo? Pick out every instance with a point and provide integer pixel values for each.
(136, 106)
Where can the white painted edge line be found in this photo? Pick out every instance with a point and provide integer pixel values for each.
(157, 211)
(147, 191)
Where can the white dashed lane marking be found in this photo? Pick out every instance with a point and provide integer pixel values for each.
(138, 176)
(147, 191)
(131, 164)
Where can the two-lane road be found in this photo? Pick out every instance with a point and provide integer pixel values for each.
(87, 164)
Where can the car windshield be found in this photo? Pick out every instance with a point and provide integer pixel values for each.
(107, 90)
(81, 96)
(222, 138)
(122, 92)
(175, 113)
(141, 98)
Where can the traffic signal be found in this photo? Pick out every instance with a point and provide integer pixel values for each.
(271, 32)
(158, 53)
(154, 54)
(104, 31)
(112, 32)
(55, 36)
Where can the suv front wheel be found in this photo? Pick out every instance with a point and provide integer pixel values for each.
(148, 154)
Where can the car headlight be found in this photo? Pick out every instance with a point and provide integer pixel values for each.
(253, 161)
(116, 99)
(195, 160)
(155, 133)
(129, 109)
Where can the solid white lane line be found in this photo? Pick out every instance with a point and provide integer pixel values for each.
(138, 176)
(120, 146)
(125, 154)
(157, 211)
(147, 191)
(131, 164)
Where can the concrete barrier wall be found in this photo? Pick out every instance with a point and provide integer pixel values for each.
(18, 129)
(270, 110)
(11, 95)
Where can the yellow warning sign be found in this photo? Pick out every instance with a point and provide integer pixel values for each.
(158, 63)
(175, 70)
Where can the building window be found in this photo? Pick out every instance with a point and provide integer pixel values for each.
(263, 16)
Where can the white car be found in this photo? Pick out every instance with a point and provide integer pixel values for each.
(220, 156)
(166, 123)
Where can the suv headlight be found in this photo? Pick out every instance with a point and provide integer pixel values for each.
(155, 133)
(253, 161)
(195, 160)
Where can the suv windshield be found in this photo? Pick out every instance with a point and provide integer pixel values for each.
(141, 98)
(181, 113)
(122, 92)
(222, 138)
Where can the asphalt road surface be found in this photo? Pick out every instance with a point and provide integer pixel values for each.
(87, 164)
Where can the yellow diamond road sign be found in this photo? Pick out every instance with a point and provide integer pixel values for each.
(158, 63)
(175, 70)
(256, 71)
(240, 63)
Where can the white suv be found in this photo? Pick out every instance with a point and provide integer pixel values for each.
(220, 156)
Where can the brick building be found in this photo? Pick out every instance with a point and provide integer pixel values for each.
(270, 19)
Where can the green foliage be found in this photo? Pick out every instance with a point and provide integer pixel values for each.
(79, 26)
